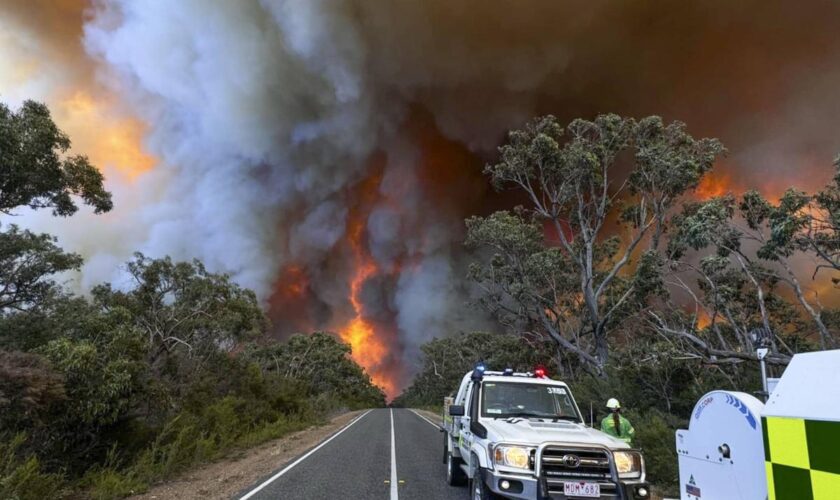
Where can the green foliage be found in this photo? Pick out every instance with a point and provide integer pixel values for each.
(194, 437)
(21, 476)
(823, 234)
(27, 263)
(446, 360)
(322, 363)
(739, 283)
(132, 386)
(187, 319)
(111, 484)
(579, 183)
(33, 169)
(655, 433)
(30, 390)
(100, 374)
(669, 160)
(183, 307)
(98, 364)
(703, 224)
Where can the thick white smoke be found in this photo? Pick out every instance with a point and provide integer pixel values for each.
(255, 135)
(264, 115)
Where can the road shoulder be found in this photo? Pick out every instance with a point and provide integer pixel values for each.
(434, 417)
(226, 478)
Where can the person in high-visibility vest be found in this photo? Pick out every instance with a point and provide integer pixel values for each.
(615, 424)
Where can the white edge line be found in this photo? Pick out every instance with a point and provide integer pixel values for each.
(436, 426)
(301, 459)
(394, 492)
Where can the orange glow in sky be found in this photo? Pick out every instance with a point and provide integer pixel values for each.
(107, 140)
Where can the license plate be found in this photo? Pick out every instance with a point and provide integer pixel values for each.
(585, 490)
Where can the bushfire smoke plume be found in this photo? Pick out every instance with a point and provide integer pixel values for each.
(326, 152)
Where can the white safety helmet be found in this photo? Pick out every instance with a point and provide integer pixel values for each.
(613, 404)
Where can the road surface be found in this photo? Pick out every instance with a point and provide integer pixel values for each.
(383, 454)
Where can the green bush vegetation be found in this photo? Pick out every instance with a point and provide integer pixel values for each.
(104, 395)
(108, 406)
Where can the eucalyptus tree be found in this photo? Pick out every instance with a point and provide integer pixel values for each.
(748, 250)
(37, 172)
(35, 169)
(599, 194)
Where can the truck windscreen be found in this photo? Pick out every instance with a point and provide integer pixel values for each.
(504, 400)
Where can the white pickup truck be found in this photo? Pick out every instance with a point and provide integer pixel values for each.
(521, 435)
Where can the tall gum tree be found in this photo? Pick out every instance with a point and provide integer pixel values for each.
(600, 189)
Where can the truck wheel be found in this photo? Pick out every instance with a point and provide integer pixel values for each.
(445, 446)
(479, 489)
(454, 474)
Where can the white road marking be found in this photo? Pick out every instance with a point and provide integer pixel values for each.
(394, 494)
(427, 420)
(313, 450)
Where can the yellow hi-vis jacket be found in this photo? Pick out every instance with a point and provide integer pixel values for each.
(625, 431)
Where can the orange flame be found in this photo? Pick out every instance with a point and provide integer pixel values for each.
(294, 282)
(703, 320)
(367, 348)
(714, 184)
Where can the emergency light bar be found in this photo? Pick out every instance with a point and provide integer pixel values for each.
(480, 371)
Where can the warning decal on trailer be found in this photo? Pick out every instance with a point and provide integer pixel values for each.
(691, 488)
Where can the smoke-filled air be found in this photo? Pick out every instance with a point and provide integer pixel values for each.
(326, 153)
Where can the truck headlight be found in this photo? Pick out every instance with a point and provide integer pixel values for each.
(628, 464)
(512, 456)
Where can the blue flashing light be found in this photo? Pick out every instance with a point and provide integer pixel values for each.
(478, 371)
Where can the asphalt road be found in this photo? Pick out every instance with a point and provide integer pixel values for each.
(383, 454)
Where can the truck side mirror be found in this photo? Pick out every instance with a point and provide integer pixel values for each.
(456, 411)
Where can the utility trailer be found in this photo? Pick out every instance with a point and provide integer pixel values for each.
(738, 448)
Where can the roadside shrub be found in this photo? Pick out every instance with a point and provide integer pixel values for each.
(655, 435)
(106, 482)
(29, 390)
(22, 477)
(196, 435)
(110, 484)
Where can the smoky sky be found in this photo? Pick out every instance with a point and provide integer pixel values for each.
(277, 124)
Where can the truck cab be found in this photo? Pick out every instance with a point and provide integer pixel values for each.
(521, 435)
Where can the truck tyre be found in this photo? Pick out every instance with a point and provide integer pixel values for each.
(445, 446)
(478, 488)
(454, 474)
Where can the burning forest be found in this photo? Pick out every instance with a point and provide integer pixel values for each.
(326, 154)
